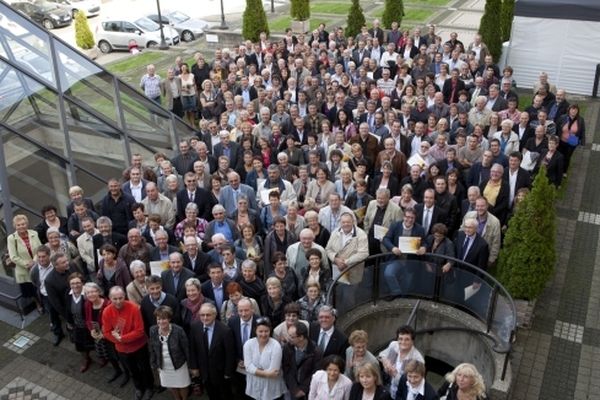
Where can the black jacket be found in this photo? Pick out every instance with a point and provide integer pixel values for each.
(338, 342)
(403, 394)
(216, 362)
(297, 376)
(177, 343)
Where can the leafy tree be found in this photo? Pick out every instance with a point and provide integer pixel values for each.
(356, 19)
(508, 8)
(83, 34)
(393, 11)
(490, 28)
(528, 256)
(254, 20)
(300, 10)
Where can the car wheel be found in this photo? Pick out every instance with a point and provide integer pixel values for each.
(187, 36)
(104, 46)
(48, 24)
(151, 44)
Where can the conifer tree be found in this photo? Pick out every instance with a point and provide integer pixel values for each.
(83, 34)
(300, 10)
(254, 20)
(490, 28)
(508, 9)
(356, 19)
(528, 256)
(393, 11)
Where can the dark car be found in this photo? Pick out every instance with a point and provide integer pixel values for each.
(48, 14)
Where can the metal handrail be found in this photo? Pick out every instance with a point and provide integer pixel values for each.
(497, 287)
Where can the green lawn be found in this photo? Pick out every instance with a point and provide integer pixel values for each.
(282, 23)
(429, 2)
(330, 8)
(411, 14)
(132, 62)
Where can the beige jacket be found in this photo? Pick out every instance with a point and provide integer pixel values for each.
(354, 252)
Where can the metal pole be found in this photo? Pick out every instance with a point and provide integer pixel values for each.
(223, 23)
(163, 44)
(272, 6)
(596, 78)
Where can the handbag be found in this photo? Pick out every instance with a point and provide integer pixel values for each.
(572, 140)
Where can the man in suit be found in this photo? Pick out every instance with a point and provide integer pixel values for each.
(360, 53)
(56, 285)
(329, 339)
(215, 287)
(135, 186)
(247, 92)
(243, 326)
(194, 194)
(212, 353)
(301, 358)
(399, 273)
(516, 176)
(116, 205)
(495, 102)
(488, 227)
(452, 86)
(195, 259)
(381, 212)
(428, 213)
(155, 298)
(468, 204)
(106, 236)
(499, 201)
(175, 277)
(376, 31)
(480, 171)
(162, 248)
(228, 149)
(472, 248)
(210, 162)
(229, 194)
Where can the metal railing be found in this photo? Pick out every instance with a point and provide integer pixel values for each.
(465, 287)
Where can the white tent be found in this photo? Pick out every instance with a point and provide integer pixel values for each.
(560, 37)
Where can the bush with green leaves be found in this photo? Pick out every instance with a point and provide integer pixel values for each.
(393, 11)
(528, 256)
(300, 10)
(83, 34)
(490, 28)
(254, 20)
(356, 19)
(508, 9)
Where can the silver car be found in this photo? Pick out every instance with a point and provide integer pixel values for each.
(188, 28)
(118, 34)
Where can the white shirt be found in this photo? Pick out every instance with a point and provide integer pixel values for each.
(324, 338)
(512, 180)
(136, 191)
(346, 237)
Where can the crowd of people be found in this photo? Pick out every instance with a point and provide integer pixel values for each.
(312, 152)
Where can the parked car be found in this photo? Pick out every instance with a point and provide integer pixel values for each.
(188, 28)
(118, 34)
(90, 7)
(48, 14)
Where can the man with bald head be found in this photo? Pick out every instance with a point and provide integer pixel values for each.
(136, 249)
(296, 253)
(229, 194)
(175, 277)
(156, 203)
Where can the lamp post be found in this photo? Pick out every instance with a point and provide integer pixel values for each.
(272, 6)
(163, 44)
(223, 23)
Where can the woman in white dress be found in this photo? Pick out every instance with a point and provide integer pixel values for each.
(330, 383)
(262, 359)
(169, 352)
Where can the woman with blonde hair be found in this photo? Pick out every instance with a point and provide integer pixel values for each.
(465, 382)
(357, 353)
(22, 246)
(368, 384)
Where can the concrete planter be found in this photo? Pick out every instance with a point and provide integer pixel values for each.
(300, 26)
(92, 53)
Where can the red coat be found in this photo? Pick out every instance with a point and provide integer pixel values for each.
(127, 320)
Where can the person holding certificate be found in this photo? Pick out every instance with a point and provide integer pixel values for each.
(404, 239)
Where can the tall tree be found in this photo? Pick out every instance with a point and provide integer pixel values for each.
(300, 10)
(356, 19)
(393, 11)
(254, 20)
(508, 9)
(528, 256)
(490, 27)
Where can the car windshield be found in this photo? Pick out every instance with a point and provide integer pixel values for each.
(46, 6)
(178, 17)
(147, 24)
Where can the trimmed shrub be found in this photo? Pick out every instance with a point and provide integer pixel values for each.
(300, 10)
(528, 256)
(490, 28)
(392, 11)
(254, 20)
(356, 19)
(83, 34)
(508, 9)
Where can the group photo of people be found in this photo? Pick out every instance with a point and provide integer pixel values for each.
(205, 272)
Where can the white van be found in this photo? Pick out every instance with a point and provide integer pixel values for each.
(117, 34)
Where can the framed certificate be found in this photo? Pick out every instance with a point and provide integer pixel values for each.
(409, 244)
